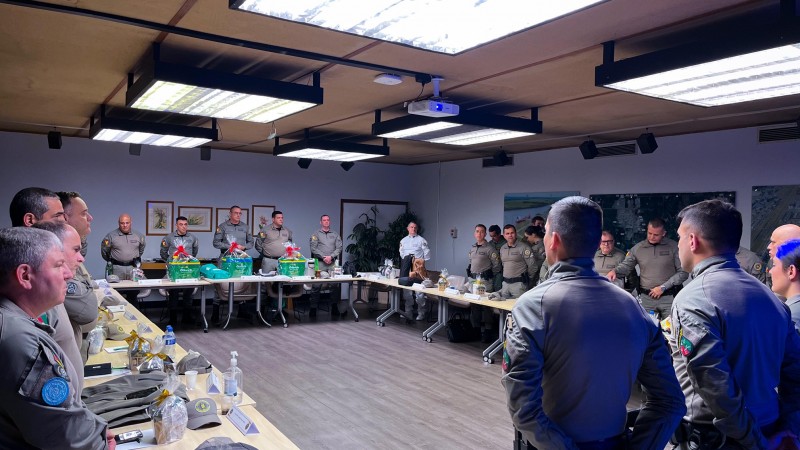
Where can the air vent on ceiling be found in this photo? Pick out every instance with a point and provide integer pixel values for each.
(616, 149)
(498, 162)
(782, 132)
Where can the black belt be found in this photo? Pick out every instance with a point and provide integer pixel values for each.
(514, 280)
(612, 443)
(486, 274)
(120, 263)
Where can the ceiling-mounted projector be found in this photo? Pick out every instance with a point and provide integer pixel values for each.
(433, 108)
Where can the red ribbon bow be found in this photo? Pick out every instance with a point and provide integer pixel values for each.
(180, 251)
(234, 246)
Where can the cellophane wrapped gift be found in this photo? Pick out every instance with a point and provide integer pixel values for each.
(292, 263)
(138, 349)
(169, 414)
(235, 261)
(182, 265)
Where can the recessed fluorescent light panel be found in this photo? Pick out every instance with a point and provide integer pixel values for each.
(330, 150)
(465, 129)
(425, 24)
(760, 63)
(129, 129)
(169, 87)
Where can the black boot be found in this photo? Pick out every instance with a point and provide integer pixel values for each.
(215, 314)
(173, 317)
(312, 313)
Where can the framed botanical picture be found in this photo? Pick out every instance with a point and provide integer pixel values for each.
(262, 216)
(159, 218)
(224, 214)
(199, 217)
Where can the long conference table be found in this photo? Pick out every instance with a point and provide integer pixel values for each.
(268, 436)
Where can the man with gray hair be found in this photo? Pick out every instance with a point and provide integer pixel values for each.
(40, 405)
(35, 204)
(575, 343)
(734, 346)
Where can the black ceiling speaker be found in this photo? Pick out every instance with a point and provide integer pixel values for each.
(304, 163)
(347, 165)
(647, 143)
(135, 149)
(501, 159)
(54, 139)
(205, 153)
(588, 149)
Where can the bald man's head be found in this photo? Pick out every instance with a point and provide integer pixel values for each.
(125, 223)
(782, 234)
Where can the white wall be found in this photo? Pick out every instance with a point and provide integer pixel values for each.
(112, 182)
(718, 161)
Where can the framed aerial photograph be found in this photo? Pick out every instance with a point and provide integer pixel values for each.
(224, 214)
(262, 217)
(199, 217)
(159, 218)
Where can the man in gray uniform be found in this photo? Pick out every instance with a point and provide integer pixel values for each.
(518, 265)
(233, 229)
(608, 257)
(417, 246)
(786, 277)
(77, 215)
(169, 247)
(534, 236)
(123, 248)
(496, 238)
(40, 405)
(484, 261)
(81, 301)
(751, 264)
(326, 247)
(733, 342)
(660, 274)
(574, 345)
(271, 242)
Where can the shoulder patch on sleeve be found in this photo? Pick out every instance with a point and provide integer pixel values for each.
(72, 287)
(164, 243)
(527, 252)
(494, 255)
(262, 235)
(757, 267)
(105, 242)
(219, 230)
(314, 237)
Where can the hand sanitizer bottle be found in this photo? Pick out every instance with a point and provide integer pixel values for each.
(233, 380)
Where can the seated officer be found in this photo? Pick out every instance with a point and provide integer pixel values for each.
(40, 406)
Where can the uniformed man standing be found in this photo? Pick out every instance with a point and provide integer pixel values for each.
(326, 247)
(786, 277)
(232, 230)
(271, 241)
(574, 345)
(416, 246)
(40, 405)
(170, 245)
(123, 247)
(77, 215)
(518, 265)
(496, 238)
(751, 264)
(608, 257)
(484, 261)
(534, 235)
(660, 270)
(734, 346)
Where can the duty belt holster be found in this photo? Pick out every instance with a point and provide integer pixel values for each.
(514, 280)
(120, 263)
(698, 437)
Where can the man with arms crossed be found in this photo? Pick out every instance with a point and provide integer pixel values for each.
(575, 344)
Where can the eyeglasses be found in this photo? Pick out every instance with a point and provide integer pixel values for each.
(606, 242)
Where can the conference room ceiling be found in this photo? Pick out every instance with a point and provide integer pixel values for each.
(57, 68)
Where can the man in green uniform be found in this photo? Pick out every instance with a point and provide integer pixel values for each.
(123, 248)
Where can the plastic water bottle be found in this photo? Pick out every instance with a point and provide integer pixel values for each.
(169, 342)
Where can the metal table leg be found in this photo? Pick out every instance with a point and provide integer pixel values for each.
(497, 345)
(258, 305)
(393, 304)
(203, 308)
(230, 304)
(351, 300)
(280, 305)
(427, 335)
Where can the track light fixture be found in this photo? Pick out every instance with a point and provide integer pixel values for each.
(312, 148)
(588, 149)
(205, 153)
(151, 128)
(54, 140)
(347, 165)
(135, 149)
(304, 163)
